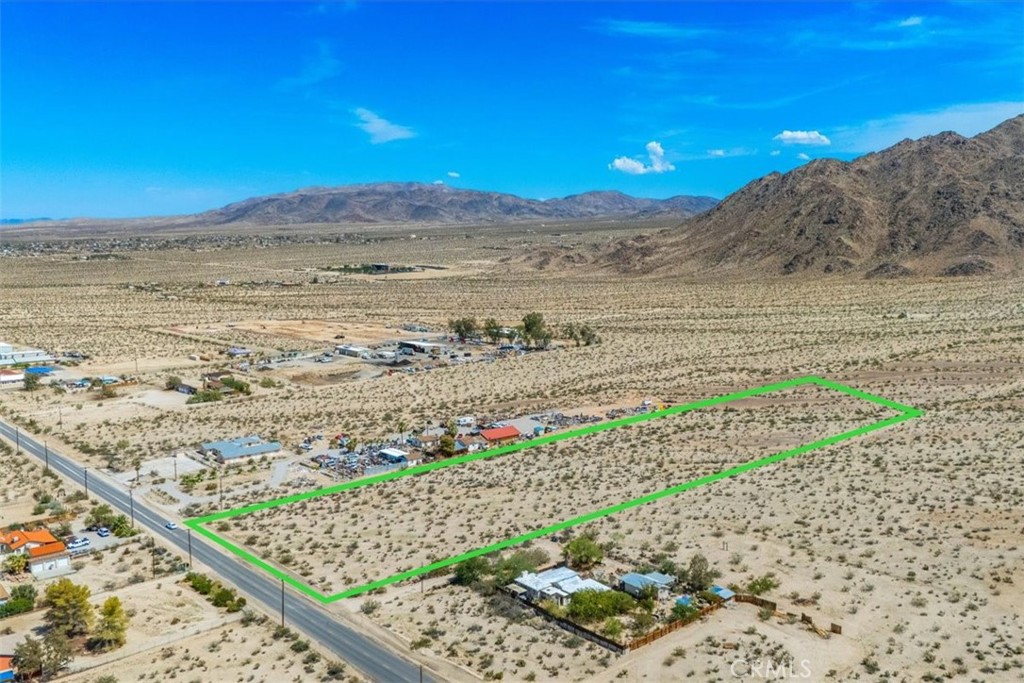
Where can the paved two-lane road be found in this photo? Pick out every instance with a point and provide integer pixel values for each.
(370, 657)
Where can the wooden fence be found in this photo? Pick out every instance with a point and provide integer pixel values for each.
(670, 628)
(570, 626)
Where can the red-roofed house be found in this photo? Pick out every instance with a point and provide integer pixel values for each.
(500, 435)
(6, 668)
(11, 377)
(51, 557)
(23, 541)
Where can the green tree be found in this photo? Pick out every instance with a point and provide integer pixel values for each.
(25, 591)
(172, 382)
(583, 552)
(137, 466)
(446, 446)
(70, 611)
(685, 613)
(101, 515)
(588, 335)
(648, 598)
(23, 599)
(612, 628)
(112, 627)
(121, 527)
(642, 622)
(587, 606)
(15, 563)
(57, 652)
(534, 328)
(571, 331)
(469, 572)
(700, 574)
(763, 584)
(28, 656)
(508, 568)
(31, 382)
(108, 391)
(464, 328)
(492, 330)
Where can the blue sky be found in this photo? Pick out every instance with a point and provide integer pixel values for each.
(127, 109)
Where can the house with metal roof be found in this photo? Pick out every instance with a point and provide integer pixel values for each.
(558, 585)
(635, 584)
(10, 356)
(241, 447)
(500, 435)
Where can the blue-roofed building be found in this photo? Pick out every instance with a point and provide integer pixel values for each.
(39, 370)
(635, 584)
(6, 668)
(723, 593)
(241, 447)
(684, 600)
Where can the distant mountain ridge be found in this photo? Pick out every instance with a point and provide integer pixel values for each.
(20, 221)
(427, 203)
(941, 205)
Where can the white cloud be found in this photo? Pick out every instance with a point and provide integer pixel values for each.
(439, 182)
(802, 137)
(911, 21)
(381, 130)
(454, 174)
(966, 119)
(321, 67)
(775, 153)
(651, 29)
(633, 167)
(716, 152)
(802, 156)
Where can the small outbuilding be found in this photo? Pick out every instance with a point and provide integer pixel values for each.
(500, 435)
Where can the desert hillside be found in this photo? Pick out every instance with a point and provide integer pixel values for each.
(941, 205)
(418, 202)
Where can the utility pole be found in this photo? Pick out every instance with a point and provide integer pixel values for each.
(85, 475)
(46, 451)
(175, 467)
(60, 418)
(131, 504)
(282, 603)
(220, 487)
(17, 439)
(190, 548)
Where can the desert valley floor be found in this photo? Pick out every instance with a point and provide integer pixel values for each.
(911, 538)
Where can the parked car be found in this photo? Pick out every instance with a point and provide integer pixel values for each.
(103, 532)
(171, 525)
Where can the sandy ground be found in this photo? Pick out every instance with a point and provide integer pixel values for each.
(323, 332)
(911, 538)
(375, 531)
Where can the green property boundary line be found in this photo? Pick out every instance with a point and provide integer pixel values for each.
(904, 413)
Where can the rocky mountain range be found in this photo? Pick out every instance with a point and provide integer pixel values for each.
(940, 205)
(418, 202)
